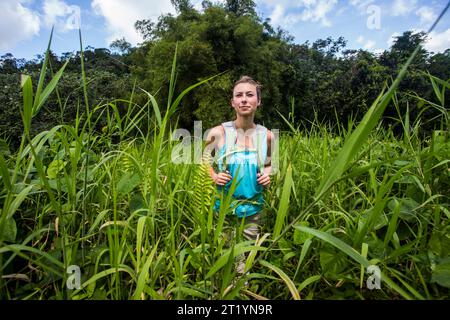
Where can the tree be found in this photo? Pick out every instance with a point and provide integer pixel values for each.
(328, 46)
(182, 6)
(414, 81)
(121, 45)
(8, 64)
(145, 28)
(209, 43)
(241, 7)
(439, 65)
(402, 48)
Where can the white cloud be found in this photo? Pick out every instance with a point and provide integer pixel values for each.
(277, 15)
(426, 15)
(438, 42)
(403, 7)
(369, 45)
(366, 44)
(63, 16)
(392, 38)
(378, 51)
(197, 5)
(121, 15)
(300, 10)
(318, 11)
(361, 5)
(17, 23)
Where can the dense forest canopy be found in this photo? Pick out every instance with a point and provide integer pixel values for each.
(322, 80)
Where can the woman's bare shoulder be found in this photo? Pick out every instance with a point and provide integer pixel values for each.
(218, 129)
(215, 135)
(270, 135)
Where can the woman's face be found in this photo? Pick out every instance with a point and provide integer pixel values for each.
(245, 99)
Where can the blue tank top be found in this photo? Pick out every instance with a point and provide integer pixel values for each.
(243, 164)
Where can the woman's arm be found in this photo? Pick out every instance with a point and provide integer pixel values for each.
(213, 140)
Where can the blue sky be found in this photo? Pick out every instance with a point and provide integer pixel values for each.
(370, 24)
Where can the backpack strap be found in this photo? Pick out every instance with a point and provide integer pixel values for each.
(230, 138)
(260, 141)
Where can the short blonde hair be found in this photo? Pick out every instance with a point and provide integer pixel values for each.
(247, 79)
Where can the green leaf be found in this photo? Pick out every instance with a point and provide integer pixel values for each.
(439, 244)
(299, 236)
(441, 275)
(341, 245)
(143, 274)
(128, 182)
(177, 101)
(332, 262)
(436, 89)
(295, 131)
(48, 90)
(4, 172)
(18, 201)
(408, 208)
(97, 276)
(139, 237)
(239, 249)
(4, 148)
(380, 219)
(228, 271)
(9, 230)
(27, 92)
(22, 248)
(60, 184)
(303, 253)
(284, 202)
(190, 292)
(290, 284)
(43, 72)
(155, 107)
(309, 281)
(54, 168)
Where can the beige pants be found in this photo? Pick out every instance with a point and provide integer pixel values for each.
(252, 230)
(252, 226)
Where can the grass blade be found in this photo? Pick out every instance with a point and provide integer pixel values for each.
(284, 277)
(42, 74)
(48, 90)
(284, 203)
(142, 276)
(155, 107)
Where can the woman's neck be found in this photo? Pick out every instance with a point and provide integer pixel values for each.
(244, 123)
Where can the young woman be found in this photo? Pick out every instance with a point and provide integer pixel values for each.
(243, 150)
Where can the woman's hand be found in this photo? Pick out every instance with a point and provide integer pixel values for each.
(263, 179)
(222, 178)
